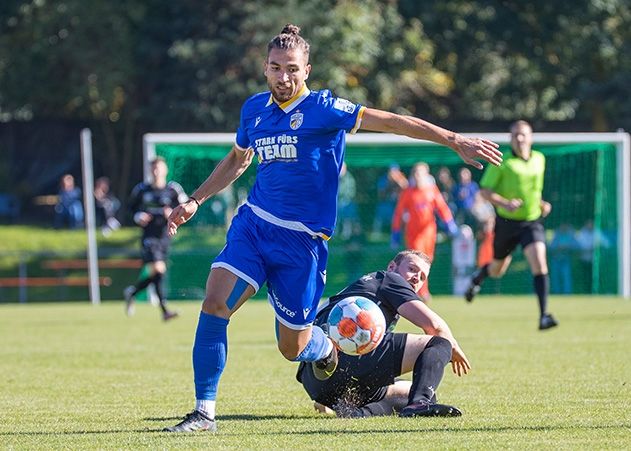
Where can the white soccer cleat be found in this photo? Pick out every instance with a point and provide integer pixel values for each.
(130, 305)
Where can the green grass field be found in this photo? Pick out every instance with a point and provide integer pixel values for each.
(74, 376)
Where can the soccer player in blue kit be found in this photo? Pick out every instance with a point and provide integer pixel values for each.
(280, 234)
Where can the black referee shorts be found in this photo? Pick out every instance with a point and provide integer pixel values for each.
(358, 379)
(509, 233)
(155, 249)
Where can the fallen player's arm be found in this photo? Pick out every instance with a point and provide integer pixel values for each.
(422, 316)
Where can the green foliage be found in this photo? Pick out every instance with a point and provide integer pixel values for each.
(83, 377)
(548, 61)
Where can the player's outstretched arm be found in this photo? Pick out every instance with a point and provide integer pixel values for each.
(227, 171)
(469, 149)
(422, 316)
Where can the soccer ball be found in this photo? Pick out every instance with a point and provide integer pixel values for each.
(356, 325)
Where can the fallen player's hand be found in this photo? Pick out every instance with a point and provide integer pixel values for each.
(180, 214)
(459, 363)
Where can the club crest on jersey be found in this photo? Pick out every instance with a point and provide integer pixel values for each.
(295, 121)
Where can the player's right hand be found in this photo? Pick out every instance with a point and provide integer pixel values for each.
(459, 362)
(180, 214)
(514, 204)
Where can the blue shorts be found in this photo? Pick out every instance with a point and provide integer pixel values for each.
(292, 262)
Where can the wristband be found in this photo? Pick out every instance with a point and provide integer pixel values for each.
(191, 198)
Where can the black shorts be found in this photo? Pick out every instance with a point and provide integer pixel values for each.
(155, 249)
(359, 380)
(509, 233)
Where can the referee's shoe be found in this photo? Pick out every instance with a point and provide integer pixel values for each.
(547, 321)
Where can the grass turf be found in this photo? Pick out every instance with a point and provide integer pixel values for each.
(74, 376)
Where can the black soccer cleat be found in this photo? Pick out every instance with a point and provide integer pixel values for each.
(472, 291)
(169, 314)
(547, 321)
(324, 368)
(194, 421)
(423, 409)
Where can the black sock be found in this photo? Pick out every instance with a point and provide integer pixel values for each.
(429, 369)
(480, 275)
(142, 284)
(157, 283)
(542, 288)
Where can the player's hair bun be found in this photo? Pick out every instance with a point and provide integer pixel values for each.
(291, 29)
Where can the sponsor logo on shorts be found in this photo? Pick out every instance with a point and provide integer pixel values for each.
(280, 306)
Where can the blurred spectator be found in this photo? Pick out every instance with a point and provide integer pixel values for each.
(106, 206)
(420, 202)
(347, 216)
(486, 235)
(484, 215)
(562, 247)
(446, 185)
(69, 208)
(462, 258)
(389, 186)
(464, 196)
(9, 206)
(588, 239)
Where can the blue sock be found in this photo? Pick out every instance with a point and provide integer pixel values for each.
(209, 354)
(318, 347)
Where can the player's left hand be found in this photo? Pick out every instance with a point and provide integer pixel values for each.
(459, 362)
(471, 149)
(180, 214)
(546, 208)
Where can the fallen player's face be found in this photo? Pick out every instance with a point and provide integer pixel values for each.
(286, 72)
(413, 269)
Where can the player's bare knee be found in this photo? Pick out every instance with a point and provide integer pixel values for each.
(289, 350)
(215, 306)
(160, 267)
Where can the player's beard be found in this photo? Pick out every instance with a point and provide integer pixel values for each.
(282, 93)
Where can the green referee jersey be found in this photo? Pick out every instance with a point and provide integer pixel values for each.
(518, 179)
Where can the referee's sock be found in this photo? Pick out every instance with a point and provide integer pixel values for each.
(428, 370)
(542, 288)
(480, 275)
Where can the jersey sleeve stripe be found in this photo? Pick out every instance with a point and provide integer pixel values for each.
(358, 121)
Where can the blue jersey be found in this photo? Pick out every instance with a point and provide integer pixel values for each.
(299, 146)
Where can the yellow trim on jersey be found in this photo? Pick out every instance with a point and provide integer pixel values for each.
(291, 103)
(358, 121)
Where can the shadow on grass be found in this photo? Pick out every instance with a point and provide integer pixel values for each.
(325, 431)
(248, 417)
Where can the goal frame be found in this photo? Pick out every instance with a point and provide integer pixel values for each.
(620, 140)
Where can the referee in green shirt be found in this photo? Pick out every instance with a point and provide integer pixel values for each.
(514, 188)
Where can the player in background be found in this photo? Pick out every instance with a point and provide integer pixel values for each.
(151, 205)
(280, 234)
(365, 385)
(515, 189)
(421, 201)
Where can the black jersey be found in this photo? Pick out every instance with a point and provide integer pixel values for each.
(146, 198)
(386, 288)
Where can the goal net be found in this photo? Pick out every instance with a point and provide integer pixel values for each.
(586, 181)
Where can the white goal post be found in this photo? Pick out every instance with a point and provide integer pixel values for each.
(620, 140)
